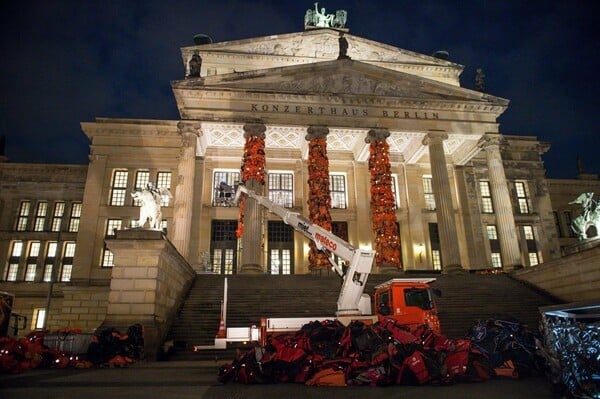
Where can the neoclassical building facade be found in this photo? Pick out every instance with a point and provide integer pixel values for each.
(465, 196)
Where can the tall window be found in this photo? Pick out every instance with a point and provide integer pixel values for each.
(67, 263)
(37, 321)
(281, 247)
(40, 216)
(337, 191)
(531, 245)
(118, 191)
(108, 259)
(163, 180)
(13, 262)
(281, 188)
(57, 216)
(223, 246)
(428, 192)
(32, 257)
(142, 177)
(557, 224)
(23, 215)
(224, 183)
(75, 217)
(395, 191)
(522, 200)
(486, 197)
(436, 246)
(492, 234)
(49, 260)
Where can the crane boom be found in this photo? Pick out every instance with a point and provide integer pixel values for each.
(360, 261)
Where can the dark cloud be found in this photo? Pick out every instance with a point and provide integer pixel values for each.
(64, 62)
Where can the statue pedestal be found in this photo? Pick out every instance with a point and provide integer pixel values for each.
(149, 282)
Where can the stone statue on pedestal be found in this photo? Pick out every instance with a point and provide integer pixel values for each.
(151, 199)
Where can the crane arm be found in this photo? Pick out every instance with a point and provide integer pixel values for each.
(360, 261)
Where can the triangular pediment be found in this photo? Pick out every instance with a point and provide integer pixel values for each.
(315, 46)
(340, 78)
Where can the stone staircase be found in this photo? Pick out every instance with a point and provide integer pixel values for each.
(465, 299)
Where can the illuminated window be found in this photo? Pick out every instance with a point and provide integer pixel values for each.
(57, 216)
(281, 188)
(163, 180)
(337, 191)
(486, 197)
(492, 232)
(436, 259)
(108, 259)
(533, 259)
(142, 177)
(75, 217)
(522, 200)
(23, 215)
(49, 260)
(14, 260)
(280, 261)
(224, 183)
(496, 260)
(118, 191)
(528, 232)
(37, 321)
(30, 270)
(40, 216)
(428, 192)
(67, 266)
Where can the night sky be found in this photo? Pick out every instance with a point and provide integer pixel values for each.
(66, 62)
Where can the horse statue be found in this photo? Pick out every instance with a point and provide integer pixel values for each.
(589, 218)
(151, 201)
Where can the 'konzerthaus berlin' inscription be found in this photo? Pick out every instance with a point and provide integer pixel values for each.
(342, 111)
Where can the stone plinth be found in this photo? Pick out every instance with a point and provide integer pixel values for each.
(149, 282)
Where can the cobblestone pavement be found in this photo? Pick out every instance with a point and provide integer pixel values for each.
(197, 380)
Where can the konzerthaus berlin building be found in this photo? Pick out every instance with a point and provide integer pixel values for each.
(286, 108)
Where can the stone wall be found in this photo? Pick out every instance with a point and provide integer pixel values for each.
(84, 307)
(574, 277)
(149, 282)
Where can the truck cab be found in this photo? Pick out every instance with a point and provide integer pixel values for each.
(408, 301)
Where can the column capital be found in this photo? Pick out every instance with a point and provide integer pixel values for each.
(491, 140)
(255, 129)
(316, 132)
(377, 134)
(189, 128)
(434, 136)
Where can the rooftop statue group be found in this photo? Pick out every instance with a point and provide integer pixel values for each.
(590, 216)
(321, 19)
(151, 199)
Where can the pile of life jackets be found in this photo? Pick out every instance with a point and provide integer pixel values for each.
(18, 355)
(327, 353)
(108, 348)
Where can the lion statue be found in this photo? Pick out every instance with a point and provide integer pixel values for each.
(151, 201)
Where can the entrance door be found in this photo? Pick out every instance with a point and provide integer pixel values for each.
(223, 247)
(281, 248)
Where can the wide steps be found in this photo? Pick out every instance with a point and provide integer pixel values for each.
(466, 298)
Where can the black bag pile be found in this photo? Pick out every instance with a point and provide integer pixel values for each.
(385, 353)
(111, 348)
(510, 346)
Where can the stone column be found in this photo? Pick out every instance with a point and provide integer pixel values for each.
(384, 223)
(443, 202)
(252, 240)
(319, 199)
(505, 219)
(184, 189)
